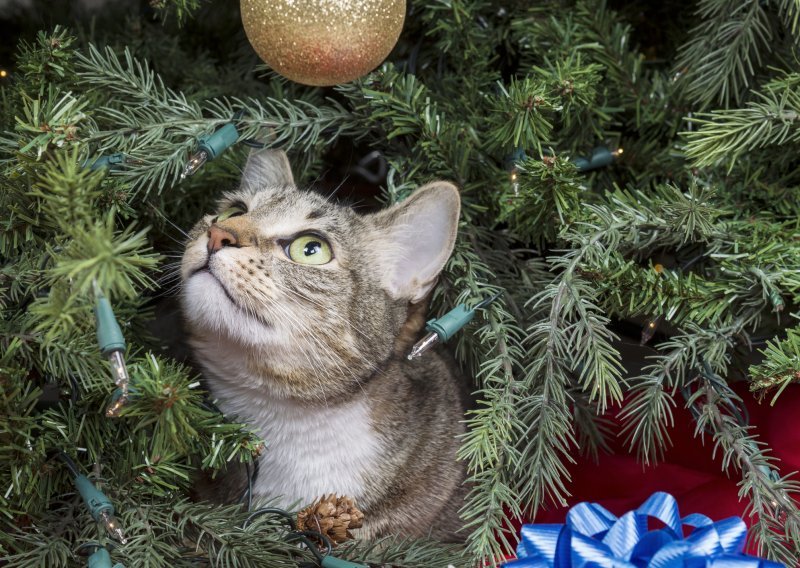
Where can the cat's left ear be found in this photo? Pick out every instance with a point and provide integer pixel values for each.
(267, 168)
(416, 237)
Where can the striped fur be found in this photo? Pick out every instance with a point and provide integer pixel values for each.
(313, 356)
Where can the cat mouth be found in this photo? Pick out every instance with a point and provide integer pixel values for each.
(205, 269)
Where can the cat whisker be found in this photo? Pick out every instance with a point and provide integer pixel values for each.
(162, 216)
(337, 188)
(319, 177)
(344, 370)
(169, 273)
(338, 317)
(304, 331)
(177, 241)
(169, 280)
(321, 305)
(173, 290)
(169, 286)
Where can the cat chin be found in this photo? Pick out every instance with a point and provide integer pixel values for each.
(209, 309)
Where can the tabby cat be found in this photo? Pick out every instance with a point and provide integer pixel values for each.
(301, 313)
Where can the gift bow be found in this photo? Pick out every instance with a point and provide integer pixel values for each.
(594, 538)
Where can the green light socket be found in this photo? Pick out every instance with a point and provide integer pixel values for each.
(218, 141)
(95, 500)
(449, 324)
(333, 562)
(109, 334)
(601, 156)
(111, 162)
(100, 558)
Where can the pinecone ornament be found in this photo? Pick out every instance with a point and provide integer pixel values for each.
(332, 516)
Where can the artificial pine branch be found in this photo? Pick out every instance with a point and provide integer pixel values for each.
(780, 368)
(157, 126)
(489, 448)
(181, 9)
(543, 197)
(392, 552)
(772, 507)
(769, 120)
(469, 84)
(724, 51)
(647, 415)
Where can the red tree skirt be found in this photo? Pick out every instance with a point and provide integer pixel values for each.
(620, 483)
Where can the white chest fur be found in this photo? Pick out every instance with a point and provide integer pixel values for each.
(310, 451)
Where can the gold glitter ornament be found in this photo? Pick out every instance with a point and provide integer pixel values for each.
(323, 42)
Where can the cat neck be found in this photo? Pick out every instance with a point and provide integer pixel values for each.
(248, 373)
(303, 440)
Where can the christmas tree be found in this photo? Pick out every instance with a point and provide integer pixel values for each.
(618, 165)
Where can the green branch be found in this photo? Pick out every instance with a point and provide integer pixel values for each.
(772, 507)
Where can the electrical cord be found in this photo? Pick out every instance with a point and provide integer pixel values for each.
(71, 465)
(271, 511)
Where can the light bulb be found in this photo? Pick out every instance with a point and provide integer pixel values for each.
(195, 162)
(122, 380)
(423, 345)
(515, 181)
(649, 330)
(113, 527)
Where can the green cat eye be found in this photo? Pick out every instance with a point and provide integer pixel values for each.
(309, 249)
(233, 211)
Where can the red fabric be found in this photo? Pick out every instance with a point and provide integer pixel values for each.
(619, 483)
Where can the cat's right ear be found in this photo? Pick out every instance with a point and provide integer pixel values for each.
(414, 239)
(267, 168)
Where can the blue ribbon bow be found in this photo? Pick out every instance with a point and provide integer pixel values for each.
(594, 538)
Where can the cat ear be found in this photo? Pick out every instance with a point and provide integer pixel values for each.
(416, 239)
(267, 168)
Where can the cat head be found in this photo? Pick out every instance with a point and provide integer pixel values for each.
(309, 296)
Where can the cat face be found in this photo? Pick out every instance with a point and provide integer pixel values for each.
(307, 294)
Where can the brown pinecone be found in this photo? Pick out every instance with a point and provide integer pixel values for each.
(332, 516)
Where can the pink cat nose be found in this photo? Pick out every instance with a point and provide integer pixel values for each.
(218, 238)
